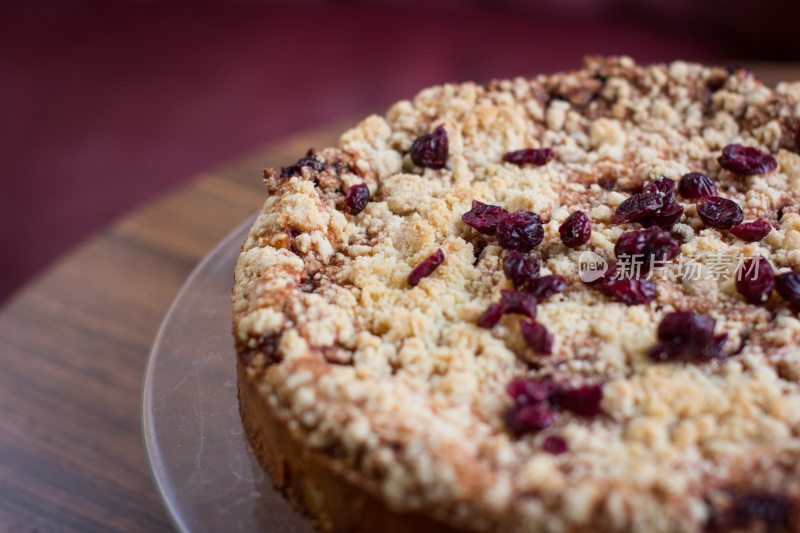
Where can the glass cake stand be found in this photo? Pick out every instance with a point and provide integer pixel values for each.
(202, 465)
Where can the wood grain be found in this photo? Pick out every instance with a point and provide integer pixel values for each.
(74, 343)
(73, 347)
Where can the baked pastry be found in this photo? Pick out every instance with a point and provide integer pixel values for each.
(560, 304)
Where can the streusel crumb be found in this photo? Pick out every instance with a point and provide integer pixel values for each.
(399, 381)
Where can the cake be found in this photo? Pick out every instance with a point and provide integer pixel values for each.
(566, 303)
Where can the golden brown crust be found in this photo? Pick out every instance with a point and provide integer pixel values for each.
(321, 488)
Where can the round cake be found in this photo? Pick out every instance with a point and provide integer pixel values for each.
(566, 303)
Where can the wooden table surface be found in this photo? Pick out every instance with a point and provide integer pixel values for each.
(73, 348)
(74, 343)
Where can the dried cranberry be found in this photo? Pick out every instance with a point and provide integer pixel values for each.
(583, 401)
(529, 418)
(663, 187)
(665, 218)
(519, 268)
(775, 511)
(638, 206)
(746, 160)
(695, 185)
(546, 286)
(648, 246)
(518, 302)
(529, 156)
(537, 337)
(629, 291)
(520, 231)
(608, 274)
(686, 336)
(525, 390)
(431, 150)
(357, 198)
(755, 280)
(492, 315)
(531, 411)
(714, 350)
(654, 206)
(534, 401)
(426, 267)
(510, 302)
(555, 445)
(576, 229)
(752, 231)
(483, 217)
(684, 327)
(720, 213)
(788, 286)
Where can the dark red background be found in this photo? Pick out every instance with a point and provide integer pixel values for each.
(106, 105)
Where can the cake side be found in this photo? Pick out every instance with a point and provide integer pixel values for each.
(400, 386)
(333, 498)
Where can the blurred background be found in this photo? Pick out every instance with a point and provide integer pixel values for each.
(106, 105)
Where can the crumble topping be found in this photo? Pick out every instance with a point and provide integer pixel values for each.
(403, 385)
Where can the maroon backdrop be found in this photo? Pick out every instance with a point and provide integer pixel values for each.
(106, 105)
